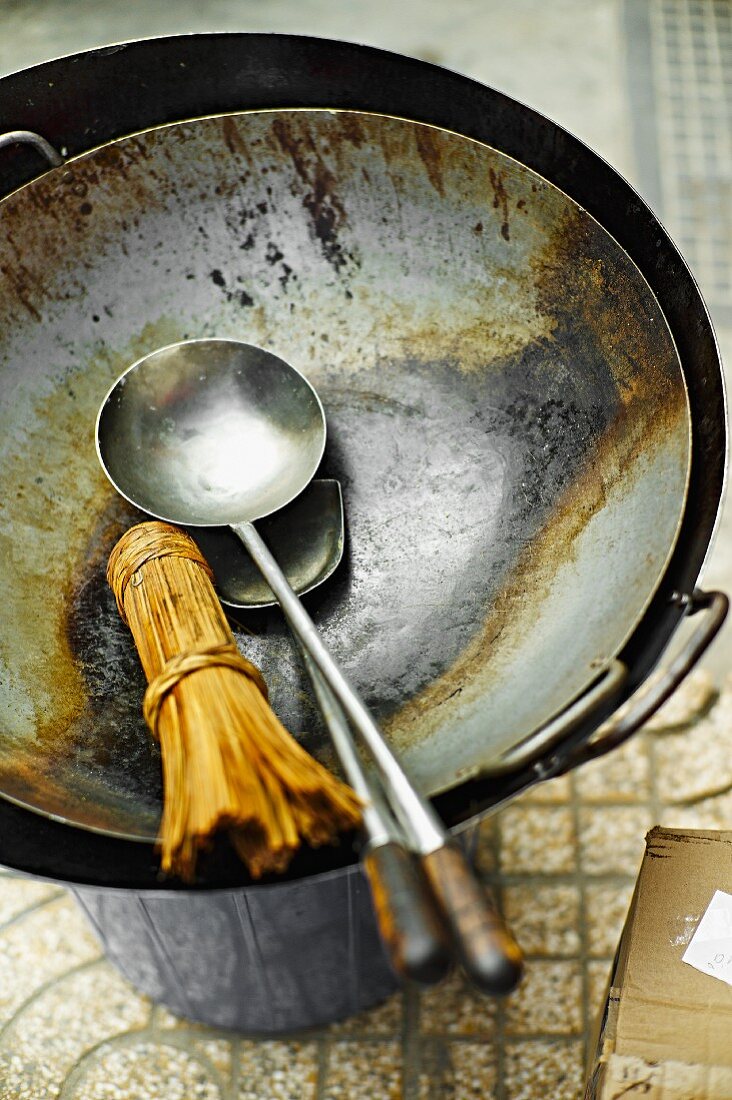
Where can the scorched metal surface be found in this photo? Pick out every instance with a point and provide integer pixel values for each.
(508, 417)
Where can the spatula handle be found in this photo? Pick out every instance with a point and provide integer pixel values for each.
(489, 955)
(405, 911)
(413, 933)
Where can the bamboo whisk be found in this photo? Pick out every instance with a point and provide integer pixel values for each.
(227, 760)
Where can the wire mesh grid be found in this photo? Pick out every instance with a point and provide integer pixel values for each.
(691, 54)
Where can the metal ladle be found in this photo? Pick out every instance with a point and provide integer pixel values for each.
(218, 432)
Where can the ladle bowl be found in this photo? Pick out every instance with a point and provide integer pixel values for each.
(210, 432)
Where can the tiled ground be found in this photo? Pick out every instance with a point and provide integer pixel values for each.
(647, 83)
(563, 861)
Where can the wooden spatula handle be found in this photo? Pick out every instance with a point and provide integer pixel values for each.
(490, 956)
(415, 937)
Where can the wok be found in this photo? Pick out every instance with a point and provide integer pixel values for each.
(522, 386)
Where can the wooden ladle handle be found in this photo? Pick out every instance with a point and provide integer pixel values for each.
(489, 955)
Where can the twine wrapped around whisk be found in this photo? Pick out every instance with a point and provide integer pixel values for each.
(227, 760)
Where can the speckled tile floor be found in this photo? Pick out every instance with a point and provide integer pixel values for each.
(562, 860)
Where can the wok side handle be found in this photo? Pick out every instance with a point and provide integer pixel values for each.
(532, 751)
(639, 709)
(27, 137)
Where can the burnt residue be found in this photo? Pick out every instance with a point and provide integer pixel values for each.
(607, 299)
(500, 200)
(430, 152)
(287, 274)
(326, 212)
(112, 736)
(234, 293)
(321, 199)
(232, 137)
(22, 289)
(608, 339)
(273, 255)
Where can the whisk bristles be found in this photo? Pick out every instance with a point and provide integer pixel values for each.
(227, 760)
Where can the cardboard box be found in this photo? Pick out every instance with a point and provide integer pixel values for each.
(666, 1029)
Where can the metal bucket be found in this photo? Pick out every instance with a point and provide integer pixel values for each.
(263, 960)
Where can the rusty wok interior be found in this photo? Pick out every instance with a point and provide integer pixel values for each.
(523, 397)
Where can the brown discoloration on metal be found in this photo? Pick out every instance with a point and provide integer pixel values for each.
(500, 200)
(489, 323)
(40, 781)
(447, 361)
(653, 412)
(514, 611)
(15, 276)
(232, 138)
(430, 153)
(60, 491)
(36, 533)
(352, 129)
(321, 199)
(43, 264)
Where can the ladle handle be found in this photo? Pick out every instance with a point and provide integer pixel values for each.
(423, 829)
(487, 951)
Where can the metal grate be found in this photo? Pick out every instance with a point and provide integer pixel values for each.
(691, 69)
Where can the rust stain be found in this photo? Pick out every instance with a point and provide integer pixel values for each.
(41, 259)
(430, 154)
(21, 289)
(353, 130)
(43, 532)
(233, 139)
(500, 200)
(653, 412)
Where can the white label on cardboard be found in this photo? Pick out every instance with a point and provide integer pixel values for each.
(710, 949)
